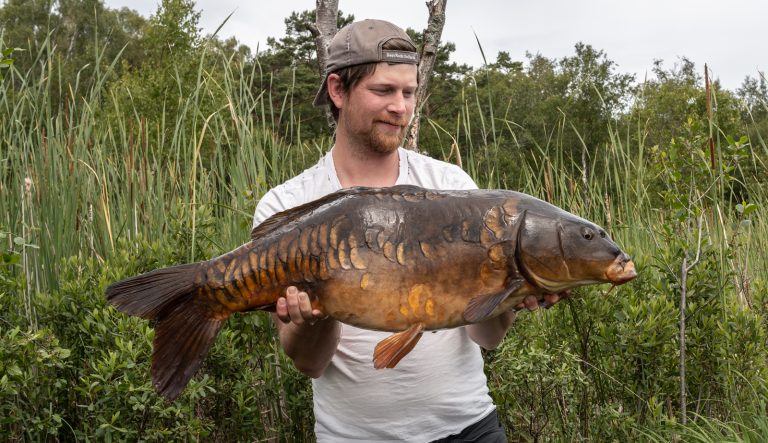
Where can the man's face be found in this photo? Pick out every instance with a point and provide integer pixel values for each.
(376, 112)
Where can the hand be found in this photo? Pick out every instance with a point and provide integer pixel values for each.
(532, 303)
(296, 307)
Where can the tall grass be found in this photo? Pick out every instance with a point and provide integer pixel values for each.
(76, 181)
(88, 182)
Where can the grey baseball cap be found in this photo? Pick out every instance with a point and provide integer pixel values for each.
(361, 42)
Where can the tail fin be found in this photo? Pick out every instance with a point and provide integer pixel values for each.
(182, 340)
(185, 328)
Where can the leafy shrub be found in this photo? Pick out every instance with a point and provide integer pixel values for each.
(87, 375)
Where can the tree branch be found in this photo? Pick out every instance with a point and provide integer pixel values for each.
(684, 269)
(324, 28)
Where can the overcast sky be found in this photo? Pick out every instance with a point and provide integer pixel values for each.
(730, 36)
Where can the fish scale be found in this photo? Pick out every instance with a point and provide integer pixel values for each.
(402, 259)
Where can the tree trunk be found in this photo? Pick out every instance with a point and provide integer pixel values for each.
(324, 28)
(432, 35)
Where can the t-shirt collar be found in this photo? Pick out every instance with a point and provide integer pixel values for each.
(333, 177)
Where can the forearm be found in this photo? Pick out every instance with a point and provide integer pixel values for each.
(310, 346)
(489, 333)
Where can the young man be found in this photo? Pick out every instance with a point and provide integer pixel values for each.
(439, 391)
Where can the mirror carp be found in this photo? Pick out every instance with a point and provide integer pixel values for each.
(402, 259)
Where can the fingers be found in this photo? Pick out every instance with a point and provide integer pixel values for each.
(531, 303)
(296, 307)
(551, 299)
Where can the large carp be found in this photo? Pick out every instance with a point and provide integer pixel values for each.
(402, 259)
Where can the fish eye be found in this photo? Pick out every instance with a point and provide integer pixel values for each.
(587, 234)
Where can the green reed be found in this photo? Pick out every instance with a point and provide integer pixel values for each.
(82, 171)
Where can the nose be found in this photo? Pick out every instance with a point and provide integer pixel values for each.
(398, 104)
(624, 258)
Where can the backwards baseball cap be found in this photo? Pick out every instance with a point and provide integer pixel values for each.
(361, 42)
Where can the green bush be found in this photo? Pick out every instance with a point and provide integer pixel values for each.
(87, 375)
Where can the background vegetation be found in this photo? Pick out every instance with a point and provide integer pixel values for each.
(129, 143)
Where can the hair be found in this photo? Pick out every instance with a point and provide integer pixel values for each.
(352, 75)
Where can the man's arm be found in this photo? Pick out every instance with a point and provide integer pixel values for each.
(308, 337)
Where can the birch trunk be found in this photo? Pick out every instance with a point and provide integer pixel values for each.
(432, 35)
(324, 28)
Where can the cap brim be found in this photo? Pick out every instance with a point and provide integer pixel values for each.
(321, 98)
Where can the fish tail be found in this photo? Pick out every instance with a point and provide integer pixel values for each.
(149, 295)
(185, 329)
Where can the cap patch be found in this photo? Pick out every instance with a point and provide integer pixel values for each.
(399, 57)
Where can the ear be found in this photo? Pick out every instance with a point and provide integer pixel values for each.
(335, 91)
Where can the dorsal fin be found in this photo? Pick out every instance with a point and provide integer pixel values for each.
(280, 218)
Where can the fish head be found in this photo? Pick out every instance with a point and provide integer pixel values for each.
(562, 251)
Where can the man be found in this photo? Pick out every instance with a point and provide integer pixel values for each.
(438, 391)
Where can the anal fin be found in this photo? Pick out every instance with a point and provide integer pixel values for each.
(482, 306)
(392, 349)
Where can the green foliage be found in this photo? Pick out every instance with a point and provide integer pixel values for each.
(536, 384)
(513, 109)
(95, 364)
(83, 35)
(26, 358)
(606, 367)
(173, 32)
(6, 59)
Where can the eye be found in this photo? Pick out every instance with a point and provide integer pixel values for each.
(588, 234)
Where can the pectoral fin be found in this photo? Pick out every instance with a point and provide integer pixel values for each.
(393, 348)
(482, 306)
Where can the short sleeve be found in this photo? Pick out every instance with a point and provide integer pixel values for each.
(275, 200)
(456, 178)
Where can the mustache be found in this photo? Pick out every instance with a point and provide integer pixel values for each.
(402, 122)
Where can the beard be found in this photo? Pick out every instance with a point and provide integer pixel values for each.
(366, 133)
(384, 142)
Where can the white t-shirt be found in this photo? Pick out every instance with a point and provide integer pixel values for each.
(437, 390)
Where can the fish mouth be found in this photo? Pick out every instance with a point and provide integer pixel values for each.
(621, 270)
